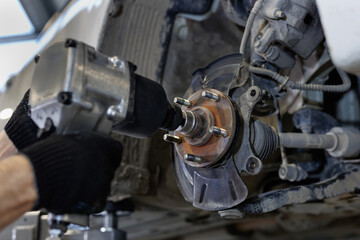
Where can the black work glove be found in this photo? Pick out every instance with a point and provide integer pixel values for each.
(73, 172)
(21, 129)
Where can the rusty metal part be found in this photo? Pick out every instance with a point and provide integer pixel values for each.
(218, 187)
(200, 142)
(189, 122)
(201, 133)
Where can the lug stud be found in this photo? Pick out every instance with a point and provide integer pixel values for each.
(192, 158)
(218, 131)
(172, 138)
(210, 95)
(182, 102)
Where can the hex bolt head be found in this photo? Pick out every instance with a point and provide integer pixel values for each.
(113, 113)
(182, 102)
(117, 63)
(253, 165)
(192, 158)
(253, 93)
(282, 172)
(210, 95)
(279, 14)
(172, 138)
(70, 43)
(36, 58)
(292, 172)
(65, 98)
(219, 131)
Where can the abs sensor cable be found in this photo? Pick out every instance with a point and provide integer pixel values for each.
(345, 86)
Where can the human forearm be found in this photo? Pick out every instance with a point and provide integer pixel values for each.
(7, 147)
(64, 174)
(17, 190)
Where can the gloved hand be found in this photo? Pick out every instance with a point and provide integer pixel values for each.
(73, 172)
(21, 129)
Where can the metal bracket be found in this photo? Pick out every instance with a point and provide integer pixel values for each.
(245, 159)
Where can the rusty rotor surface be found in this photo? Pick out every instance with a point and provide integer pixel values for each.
(216, 146)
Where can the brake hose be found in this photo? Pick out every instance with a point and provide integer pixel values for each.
(267, 72)
(249, 23)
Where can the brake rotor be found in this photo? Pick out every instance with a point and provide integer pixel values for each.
(211, 180)
(204, 140)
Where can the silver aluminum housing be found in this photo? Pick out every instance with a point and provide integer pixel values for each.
(94, 81)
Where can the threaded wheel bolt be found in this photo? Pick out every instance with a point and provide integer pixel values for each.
(192, 158)
(219, 131)
(210, 95)
(172, 138)
(182, 102)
